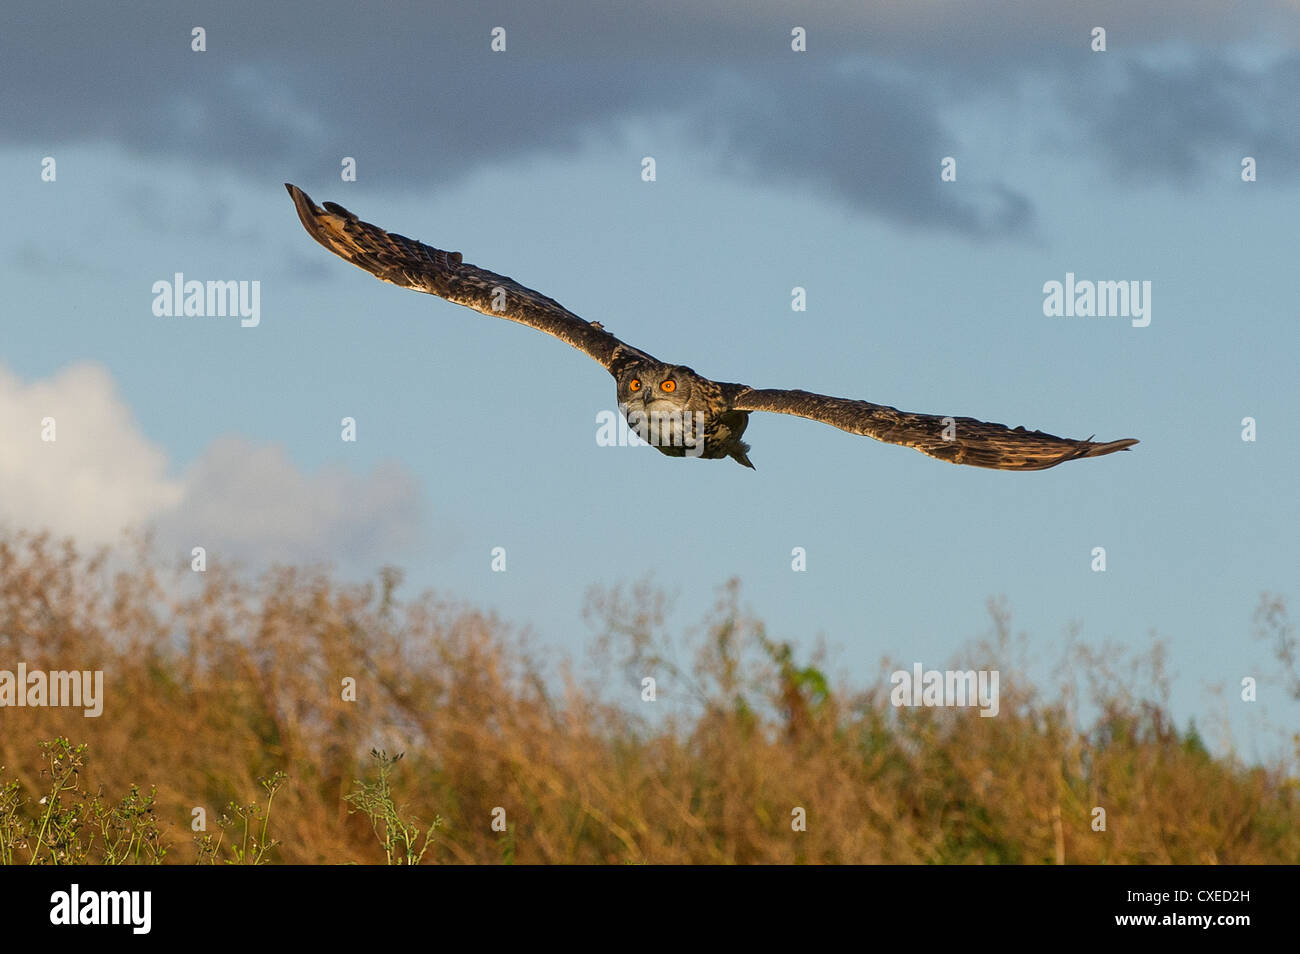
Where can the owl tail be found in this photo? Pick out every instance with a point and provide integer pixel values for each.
(740, 454)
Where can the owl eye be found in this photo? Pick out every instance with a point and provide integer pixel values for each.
(634, 384)
(669, 386)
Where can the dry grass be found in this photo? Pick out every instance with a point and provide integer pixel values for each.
(209, 692)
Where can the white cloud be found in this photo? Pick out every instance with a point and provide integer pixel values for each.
(99, 475)
(102, 476)
(250, 502)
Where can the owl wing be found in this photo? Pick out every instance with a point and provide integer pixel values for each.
(411, 264)
(958, 440)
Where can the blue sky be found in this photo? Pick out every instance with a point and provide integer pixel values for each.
(775, 169)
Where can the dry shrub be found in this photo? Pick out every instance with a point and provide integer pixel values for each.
(215, 681)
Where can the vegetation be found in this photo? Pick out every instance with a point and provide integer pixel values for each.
(226, 691)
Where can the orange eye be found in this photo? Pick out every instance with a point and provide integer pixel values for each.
(669, 386)
(634, 384)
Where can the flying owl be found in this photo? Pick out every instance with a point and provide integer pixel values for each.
(681, 412)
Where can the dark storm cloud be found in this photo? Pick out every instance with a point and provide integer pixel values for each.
(856, 137)
(414, 93)
(1173, 121)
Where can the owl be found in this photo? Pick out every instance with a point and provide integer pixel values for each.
(670, 406)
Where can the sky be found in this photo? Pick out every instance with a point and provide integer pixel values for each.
(775, 169)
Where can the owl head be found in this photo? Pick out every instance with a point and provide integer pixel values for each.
(665, 405)
(652, 386)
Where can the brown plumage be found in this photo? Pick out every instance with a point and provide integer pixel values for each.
(958, 440)
(649, 388)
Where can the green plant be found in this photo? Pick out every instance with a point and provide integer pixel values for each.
(13, 829)
(69, 820)
(252, 848)
(403, 841)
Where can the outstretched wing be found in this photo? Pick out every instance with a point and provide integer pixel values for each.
(411, 264)
(958, 440)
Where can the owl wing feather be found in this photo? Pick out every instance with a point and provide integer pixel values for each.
(411, 264)
(958, 440)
